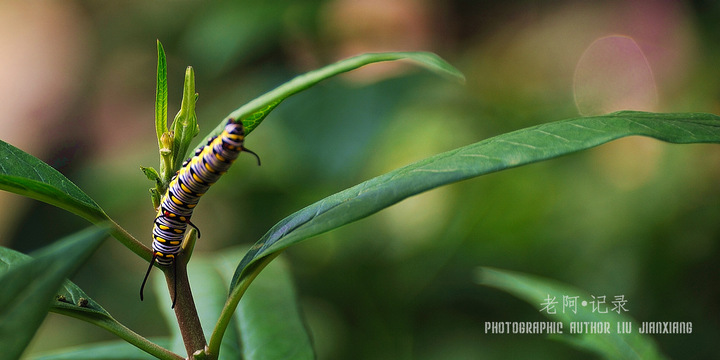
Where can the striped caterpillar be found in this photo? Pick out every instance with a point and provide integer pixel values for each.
(195, 177)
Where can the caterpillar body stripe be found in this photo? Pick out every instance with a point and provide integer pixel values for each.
(193, 179)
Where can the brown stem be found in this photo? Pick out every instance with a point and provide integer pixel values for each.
(185, 310)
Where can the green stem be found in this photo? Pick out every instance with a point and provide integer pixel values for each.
(117, 231)
(129, 241)
(126, 334)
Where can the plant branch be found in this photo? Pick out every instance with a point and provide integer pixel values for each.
(119, 233)
(116, 328)
(185, 310)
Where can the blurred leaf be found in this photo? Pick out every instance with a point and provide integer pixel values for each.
(160, 289)
(70, 300)
(210, 288)
(501, 152)
(254, 112)
(228, 35)
(268, 318)
(29, 285)
(10, 257)
(535, 290)
(111, 350)
(24, 174)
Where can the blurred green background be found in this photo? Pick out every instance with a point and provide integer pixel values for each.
(636, 217)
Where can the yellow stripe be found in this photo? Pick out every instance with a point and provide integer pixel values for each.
(176, 200)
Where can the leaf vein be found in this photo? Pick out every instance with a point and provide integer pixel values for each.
(553, 135)
(517, 144)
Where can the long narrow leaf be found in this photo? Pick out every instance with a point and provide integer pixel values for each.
(161, 95)
(184, 126)
(29, 287)
(505, 151)
(611, 345)
(254, 112)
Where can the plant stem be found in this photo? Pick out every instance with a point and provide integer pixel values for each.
(185, 311)
(113, 326)
(119, 233)
(129, 241)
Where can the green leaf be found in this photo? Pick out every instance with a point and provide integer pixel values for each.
(254, 112)
(30, 285)
(210, 289)
(185, 125)
(154, 176)
(10, 257)
(269, 322)
(505, 151)
(24, 174)
(175, 341)
(535, 291)
(111, 350)
(161, 95)
(69, 297)
(151, 174)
